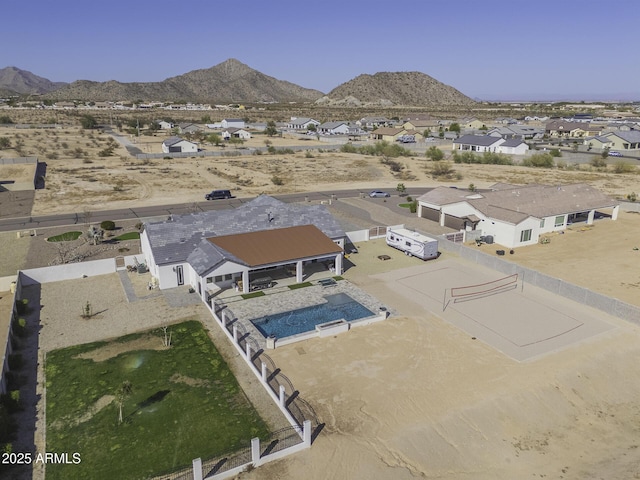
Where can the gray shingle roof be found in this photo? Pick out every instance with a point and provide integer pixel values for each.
(172, 141)
(173, 241)
(632, 136)
(512, 142)
(479, 140)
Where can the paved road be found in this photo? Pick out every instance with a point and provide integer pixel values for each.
(74, 218)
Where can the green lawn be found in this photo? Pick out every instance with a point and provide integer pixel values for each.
(129, 236)
(247, 296)
(185, 404)
(404, 205)
(65, 237)
(295, 286)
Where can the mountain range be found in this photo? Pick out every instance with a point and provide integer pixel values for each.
(234, 82)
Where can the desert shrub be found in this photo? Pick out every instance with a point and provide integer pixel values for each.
(276, 180)
(413, 207)
(555, 152)
(561, 164)
(442, 170)
(598, 162)
(632, 197)
(308, 154)
(108, 225)
(5, 119)
(434, 153)
(106, 152)
(623, 167)
(5, 142)
(348, 148)
(539, 160)
(380, 149)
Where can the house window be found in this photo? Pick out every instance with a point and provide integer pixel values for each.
(218, 278)
(542, 223)
(559, 221)
(408, 244)
(227, 276)
(209, 280)
(525, 235)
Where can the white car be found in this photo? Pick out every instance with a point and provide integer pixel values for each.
(379, 194)
(613, 153)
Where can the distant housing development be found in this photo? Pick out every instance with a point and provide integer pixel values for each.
(217, 249)
(514, 215)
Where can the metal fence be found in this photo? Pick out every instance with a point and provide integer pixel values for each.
(560, 287)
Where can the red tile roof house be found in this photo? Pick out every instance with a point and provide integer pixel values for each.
(215, 249)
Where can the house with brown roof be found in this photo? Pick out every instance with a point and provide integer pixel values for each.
(516, 215)
(387, 134)
(215, 250)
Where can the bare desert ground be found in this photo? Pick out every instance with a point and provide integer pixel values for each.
(79, 179)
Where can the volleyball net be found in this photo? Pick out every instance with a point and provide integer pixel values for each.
(481, 290)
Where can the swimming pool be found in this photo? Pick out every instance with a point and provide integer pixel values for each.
(305, 319)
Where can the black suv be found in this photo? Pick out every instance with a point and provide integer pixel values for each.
(218, 194)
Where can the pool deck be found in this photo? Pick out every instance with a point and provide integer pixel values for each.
(283, 299)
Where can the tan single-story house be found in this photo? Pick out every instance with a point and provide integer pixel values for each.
(516, 215)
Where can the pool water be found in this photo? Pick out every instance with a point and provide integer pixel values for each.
(305, 319)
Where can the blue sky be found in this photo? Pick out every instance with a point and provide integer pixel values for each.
(489, 49)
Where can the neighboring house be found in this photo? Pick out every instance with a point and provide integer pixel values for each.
(371, 123)
(164, 125)
(598, 143)
(387, 134)
(301, 123)
(232, 123)
(478, 143)
(188, 128)
(236, 133)
(432, 126)
(178, 145)
(217, 249)
(513, 146)
(562, 128)
(333, 128)
(515, 215)
(522, 132)
(624, 141)
(471, 123)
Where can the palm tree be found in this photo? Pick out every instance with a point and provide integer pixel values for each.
(121, 396)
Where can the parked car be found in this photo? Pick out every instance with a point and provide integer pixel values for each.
(217, 195)
(379, 194)
(613, 153)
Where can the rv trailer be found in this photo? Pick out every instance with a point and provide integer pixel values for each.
(412, 243)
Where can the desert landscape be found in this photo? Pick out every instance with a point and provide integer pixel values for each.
(79, 178)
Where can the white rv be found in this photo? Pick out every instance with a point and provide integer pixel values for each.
(412, 243)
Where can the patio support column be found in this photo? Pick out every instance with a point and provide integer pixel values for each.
(282, 399)
(245, 281)
(339, 264)
(614, 214)
(590, 217)
(442, 218)
(248, 351)
(419, 210)
(264, 372)
(299, 272)
(235, 333)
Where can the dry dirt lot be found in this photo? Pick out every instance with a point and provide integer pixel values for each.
(415, 397)
(78, 179)
(599, 257)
